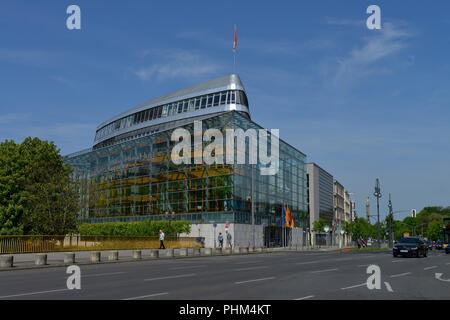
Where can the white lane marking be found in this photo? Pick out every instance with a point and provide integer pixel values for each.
(429, 268)
(388, 287)
(186, 267)
(355, 286)
(439, 275)
(309, 262)
(326, 270)
(102, 274)
(342, 259)
(364, 265)
(251, 268)
(304, 298)
(245, 262)
(254, 280)
(32, 293)
(147, 296)
(447, 263)
(394, 261)
(400, 275)
(172, 277)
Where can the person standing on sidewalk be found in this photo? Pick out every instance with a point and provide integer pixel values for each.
(229, 239)
(161, 240)
(220, 238)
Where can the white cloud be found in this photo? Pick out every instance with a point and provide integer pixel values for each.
(175, 64)
(361, 61)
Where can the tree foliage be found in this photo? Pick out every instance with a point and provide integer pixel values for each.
(360, 228)
(36, 194)
(319, 225)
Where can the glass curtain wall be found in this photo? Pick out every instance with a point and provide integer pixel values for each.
(136, 180)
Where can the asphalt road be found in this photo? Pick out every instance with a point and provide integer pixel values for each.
(281, 275)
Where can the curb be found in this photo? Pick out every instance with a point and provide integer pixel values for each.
(106, 261)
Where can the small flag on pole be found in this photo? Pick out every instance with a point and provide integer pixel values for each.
(235, 39)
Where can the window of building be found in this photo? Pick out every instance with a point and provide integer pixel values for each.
(216, 99)
(203, 102)
(191, 105)
(185, 105)
(197, 103)
(223, 97)
(210, 100)
(233, 97)
(180, 107)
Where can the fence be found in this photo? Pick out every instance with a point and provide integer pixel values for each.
(32, 244)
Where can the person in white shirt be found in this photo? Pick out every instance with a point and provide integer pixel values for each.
(161, 240)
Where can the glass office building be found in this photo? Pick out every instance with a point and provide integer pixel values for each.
(128, 175)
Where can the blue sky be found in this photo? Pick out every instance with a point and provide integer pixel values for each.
(361, 103)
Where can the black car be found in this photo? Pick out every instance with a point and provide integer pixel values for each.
(447, 249)
(415, 247)
(429, 245)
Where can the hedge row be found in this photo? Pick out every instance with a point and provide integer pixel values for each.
(142, 228)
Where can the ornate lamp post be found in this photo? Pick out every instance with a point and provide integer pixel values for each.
(377, 194)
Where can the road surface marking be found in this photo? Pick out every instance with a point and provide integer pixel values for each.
(394, 261)
(251, 268)
(400, 275)
(342, 259)
(364, 265)
(254, 280)
(308, 262)
(388, 287)
(447, 263)
(32, 293)
(147, 296)
(326, 270)
(187, 267)
(355, 286)
(429, 268)
(172, 277)
(304, 298)
(245, 262)
(101, 274)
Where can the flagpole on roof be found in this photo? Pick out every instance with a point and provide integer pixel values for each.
(234, 50)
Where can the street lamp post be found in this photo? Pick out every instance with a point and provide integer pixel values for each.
(377, 194)
(342, 235)
(391, 228)
(326, 228)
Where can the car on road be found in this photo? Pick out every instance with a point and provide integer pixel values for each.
(410, 246)
(429, 245)
(439, 245)
(447, 249)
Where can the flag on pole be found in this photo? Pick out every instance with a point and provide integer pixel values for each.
(283, 216)
(291, 219)
(235, 39)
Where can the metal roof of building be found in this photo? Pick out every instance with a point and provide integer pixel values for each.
(231, 82)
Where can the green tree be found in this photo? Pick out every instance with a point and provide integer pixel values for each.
(360, 228)
(319, 225)
(36, 194)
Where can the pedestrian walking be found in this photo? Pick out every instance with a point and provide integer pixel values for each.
(220, 238)
(229, 239)
(161, 240)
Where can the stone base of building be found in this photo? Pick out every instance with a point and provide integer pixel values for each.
(243, 235)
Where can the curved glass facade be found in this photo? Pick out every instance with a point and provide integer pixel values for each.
(136, 180)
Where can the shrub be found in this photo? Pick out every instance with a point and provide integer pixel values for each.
(142, 228)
